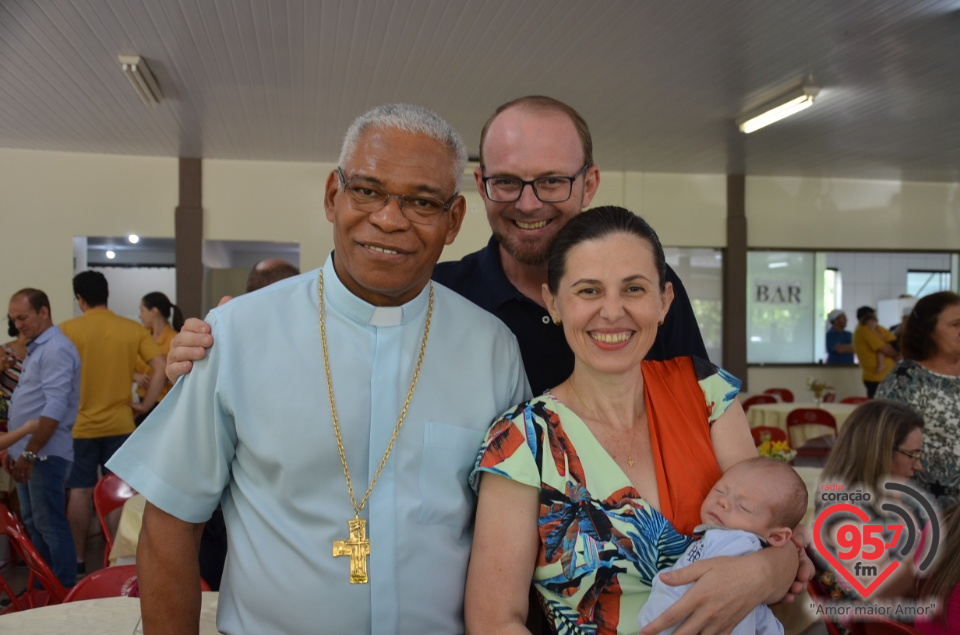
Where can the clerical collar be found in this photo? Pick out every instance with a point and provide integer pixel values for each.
(363, 312)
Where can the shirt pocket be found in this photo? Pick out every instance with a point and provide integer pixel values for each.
(448, 456)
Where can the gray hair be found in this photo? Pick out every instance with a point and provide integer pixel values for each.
(408, 118)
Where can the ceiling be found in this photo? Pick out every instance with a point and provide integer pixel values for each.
(659, 81)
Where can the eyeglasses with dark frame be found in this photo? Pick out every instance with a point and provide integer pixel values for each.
(916, 456)
(548, 189)
(416, 208)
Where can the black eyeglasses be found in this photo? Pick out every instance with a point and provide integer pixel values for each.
(549, 189)
(916, 456)
(416, 208)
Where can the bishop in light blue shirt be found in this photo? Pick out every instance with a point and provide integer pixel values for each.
(251, 426)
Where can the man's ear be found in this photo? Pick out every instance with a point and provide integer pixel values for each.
(329, 194)
(779, 536)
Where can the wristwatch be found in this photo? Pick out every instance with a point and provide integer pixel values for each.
(29, 457)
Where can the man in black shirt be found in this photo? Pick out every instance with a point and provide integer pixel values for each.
(536, 173)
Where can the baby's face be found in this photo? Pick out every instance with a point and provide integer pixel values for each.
(741, 499)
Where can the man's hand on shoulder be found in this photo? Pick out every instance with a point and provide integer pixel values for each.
(188, 346)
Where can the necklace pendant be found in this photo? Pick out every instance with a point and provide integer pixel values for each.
(630, 461)
(357, 547)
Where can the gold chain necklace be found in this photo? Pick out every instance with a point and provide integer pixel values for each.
(357, 546)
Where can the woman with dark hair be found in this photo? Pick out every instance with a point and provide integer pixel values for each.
(156, 313)
(594, 486)
(928, 379)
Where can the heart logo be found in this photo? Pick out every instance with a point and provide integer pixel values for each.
(832, 559)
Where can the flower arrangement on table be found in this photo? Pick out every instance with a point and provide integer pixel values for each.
(779, 450)
(818, 388)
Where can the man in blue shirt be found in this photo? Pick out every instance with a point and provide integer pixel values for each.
(839, 340)
(49, 390)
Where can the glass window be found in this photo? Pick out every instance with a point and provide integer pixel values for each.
(701, 271)
(921, 283)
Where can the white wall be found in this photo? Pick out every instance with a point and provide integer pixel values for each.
(47, 198)
(850, 214)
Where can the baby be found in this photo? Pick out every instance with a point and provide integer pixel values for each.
(755, 503)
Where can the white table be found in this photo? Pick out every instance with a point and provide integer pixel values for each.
(106, 616)
(775, 416)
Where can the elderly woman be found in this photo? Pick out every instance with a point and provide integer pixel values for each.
(594, 486)
(929, 380)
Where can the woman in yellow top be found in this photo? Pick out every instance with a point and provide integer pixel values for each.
(156, 313)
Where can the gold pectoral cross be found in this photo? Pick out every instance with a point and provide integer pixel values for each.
(358, 548)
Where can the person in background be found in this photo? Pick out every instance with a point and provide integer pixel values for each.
(928, 379)
(108, 346)
(738, 518)
(943, 583)
(872, 344)
(156, 313)
(881, 440)
(12, 355)
(593, 486)
(839, 339)
(268, 271)
(213, 541)
(48, 393)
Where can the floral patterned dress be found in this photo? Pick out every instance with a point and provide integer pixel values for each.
(601, 545)
(937, 398)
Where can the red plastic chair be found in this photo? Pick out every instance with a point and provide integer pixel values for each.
(104, 583)
(109, 582)
(855, 400)
(40, 572)
(757, 399)
(782, 394)
(805, 417)
(110, 493)
(829, 397)
(776, 434)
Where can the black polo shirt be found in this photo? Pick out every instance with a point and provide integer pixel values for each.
(547, 358)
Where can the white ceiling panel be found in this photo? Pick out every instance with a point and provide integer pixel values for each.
(659, 81)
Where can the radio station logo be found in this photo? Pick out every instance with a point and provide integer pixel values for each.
(868, 551)
(865, 551)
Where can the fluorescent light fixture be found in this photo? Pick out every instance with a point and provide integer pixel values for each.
(137, 71)
(778, 265)
(110, 254)
(783, 106)
(133, 239)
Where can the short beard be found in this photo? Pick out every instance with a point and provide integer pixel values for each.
(519, 252)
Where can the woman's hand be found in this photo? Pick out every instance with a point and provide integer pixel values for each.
(726, 589)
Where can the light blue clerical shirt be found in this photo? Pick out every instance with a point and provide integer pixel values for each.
(252, 421)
